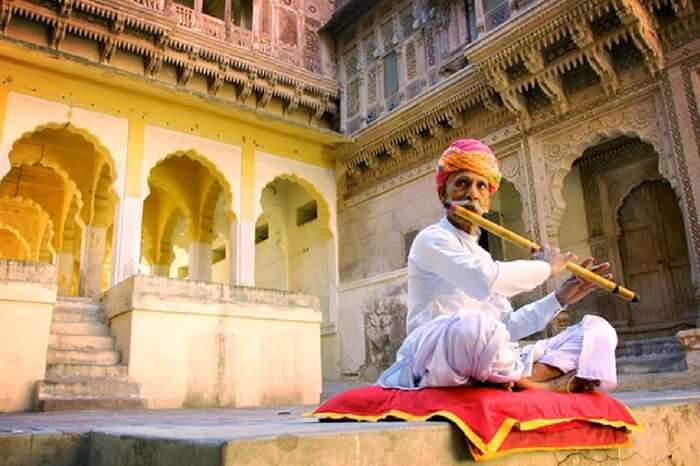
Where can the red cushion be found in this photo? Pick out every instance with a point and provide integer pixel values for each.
(496, 422)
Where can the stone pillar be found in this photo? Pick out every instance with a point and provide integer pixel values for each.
(245, 253)
(161, 270)
(64, 272)
(480, 18)
(198, 4)
(92, 263)
(232, 253)
(227, 18)
(199, 267)
(126, 240)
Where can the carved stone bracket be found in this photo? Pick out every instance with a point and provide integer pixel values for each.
(58, 33)
(320, 109)
(294, 101)
(153, 64)
(601, 62)
(217, 80)
(248, 87)
(453, 119)
(512, 99)
(6, 11)
(109, 45)
(644, 32)
(107, 49)
(267, 94)
(551, 85)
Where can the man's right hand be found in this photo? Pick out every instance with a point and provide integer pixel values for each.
(556, 259)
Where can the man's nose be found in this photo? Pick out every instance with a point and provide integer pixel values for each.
(473, 192)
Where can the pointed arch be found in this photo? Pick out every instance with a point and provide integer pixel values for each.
(82, 133)
(21, 239)
(45, 237)
(324, 213)
(210, 166)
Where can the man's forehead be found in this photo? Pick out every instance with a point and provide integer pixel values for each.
(466, 174)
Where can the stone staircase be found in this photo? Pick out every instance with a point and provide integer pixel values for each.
(650, 355)
(83, 367)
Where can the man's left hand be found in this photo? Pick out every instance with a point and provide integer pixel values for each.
(574, 289)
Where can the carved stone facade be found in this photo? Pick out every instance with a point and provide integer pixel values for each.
(274, 54)
(551, 84)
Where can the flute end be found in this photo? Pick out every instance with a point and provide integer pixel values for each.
(635, 299)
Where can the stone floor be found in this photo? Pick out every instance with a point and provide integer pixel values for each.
(202, 434)
(243, 423)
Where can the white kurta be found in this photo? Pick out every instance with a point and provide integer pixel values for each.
(461, 326)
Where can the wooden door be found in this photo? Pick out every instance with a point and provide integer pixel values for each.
(654, 255)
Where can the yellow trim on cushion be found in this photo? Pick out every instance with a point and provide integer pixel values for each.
(466, 430)
(500, 454)
(478, 442)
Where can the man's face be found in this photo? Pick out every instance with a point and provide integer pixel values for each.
(466, 185)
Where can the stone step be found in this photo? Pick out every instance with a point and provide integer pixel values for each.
(84, 404)
(118, 373)
(77, 304)
(77, 315)
(96, 357)
(652, 363)
(80, 342)
(79, 328)
(94, 388)
(648, 346)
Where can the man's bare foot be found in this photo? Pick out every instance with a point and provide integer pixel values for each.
(569, 383)
(508, 386)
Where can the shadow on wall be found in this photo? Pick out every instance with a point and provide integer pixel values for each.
(385, 329)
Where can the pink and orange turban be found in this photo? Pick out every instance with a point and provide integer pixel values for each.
(470, 155)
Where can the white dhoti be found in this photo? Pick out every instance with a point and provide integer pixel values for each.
(469, 346)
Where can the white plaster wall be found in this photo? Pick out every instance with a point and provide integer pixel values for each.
(372, 232)
(270, 265)
(304, 265)
(308, 252)
(267, 168)
(573, 233)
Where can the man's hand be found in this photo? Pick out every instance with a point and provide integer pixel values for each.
(574, 289)
(556, 259)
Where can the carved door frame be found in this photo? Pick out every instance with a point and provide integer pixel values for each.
(614, 187)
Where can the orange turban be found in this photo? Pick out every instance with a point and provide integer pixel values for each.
(468, 155)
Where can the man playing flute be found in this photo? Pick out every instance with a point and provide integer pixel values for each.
(461, 328)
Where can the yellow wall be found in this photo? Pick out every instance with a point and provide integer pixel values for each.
(143, 102)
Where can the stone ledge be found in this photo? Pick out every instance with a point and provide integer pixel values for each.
(172, 295)
(28, 272)
(282, 437)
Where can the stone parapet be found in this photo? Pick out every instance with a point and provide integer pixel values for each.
(192, 344)
(31, 272)
(27, 296)
(161, 292)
